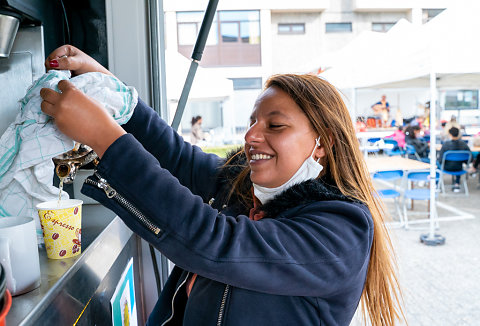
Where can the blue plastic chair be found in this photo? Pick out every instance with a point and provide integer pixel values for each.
(417, 193)
(411, 152)
(457, 156)
(394, 176)
(395, 150)
(371, 143)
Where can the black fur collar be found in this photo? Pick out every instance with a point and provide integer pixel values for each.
(300, 194)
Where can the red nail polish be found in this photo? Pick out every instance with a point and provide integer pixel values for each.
(53, 63)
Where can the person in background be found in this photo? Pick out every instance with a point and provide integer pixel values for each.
(446, 131)
(412, 137)
(474, 168)
(287, 231)
(454, 144)
(381, 110)
(398, 136)
(398, 118)
(360, 125)
(426, 115)
(196, 134)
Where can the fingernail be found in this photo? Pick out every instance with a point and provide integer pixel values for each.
(53, 63)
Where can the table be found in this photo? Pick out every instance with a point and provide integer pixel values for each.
(472, 148)
(390, 163)
(372, 133)
(375, 133)
(387, 129)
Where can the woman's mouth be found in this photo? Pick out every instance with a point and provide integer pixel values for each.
(257, 157)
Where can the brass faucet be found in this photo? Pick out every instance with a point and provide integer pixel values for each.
(67, 164)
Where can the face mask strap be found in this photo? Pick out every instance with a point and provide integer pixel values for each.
(317, 144)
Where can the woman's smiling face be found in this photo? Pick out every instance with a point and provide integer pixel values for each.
(280, 138)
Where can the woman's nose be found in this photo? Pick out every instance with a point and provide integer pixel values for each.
(254, 134)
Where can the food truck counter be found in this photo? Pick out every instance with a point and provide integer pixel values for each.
(78, 290)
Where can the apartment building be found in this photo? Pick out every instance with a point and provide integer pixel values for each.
(251, 40)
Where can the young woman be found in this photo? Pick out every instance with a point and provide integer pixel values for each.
(196, 134)
(412, 137)
(286, 231)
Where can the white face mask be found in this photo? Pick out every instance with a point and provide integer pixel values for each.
(310, 169)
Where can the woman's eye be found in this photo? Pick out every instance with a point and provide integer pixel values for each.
(273, 126)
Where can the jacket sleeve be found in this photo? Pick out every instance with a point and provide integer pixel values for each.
(440, 154)
(322, 250)
(420, 147)
(189, 164)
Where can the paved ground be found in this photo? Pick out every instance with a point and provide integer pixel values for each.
(441, 285)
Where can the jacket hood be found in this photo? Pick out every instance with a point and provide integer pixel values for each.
(304, 193)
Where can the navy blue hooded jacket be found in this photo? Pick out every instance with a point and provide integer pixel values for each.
(304, 263)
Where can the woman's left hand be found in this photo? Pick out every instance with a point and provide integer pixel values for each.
(80, 117)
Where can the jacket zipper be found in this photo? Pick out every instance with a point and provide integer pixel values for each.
(222, 305)
(112, 193)
(173, 299)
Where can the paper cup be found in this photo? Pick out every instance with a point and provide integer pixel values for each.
(62, 227)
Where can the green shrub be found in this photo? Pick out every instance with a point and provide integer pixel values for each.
(220, 150)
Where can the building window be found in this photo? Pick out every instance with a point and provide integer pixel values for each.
(428, 14)
(234, 38)
(240, 26)
(382, 27)
(338, 27)
(297, 28)
(188, 25)
(461, 100)
(246, 83)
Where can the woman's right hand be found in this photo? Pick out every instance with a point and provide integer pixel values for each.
(68, 57)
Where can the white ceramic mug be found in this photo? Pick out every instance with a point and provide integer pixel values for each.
(19, 254)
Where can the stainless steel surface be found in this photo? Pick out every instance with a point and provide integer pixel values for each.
(8, 30)
(78, 290)
(18, 72)
(52, 270)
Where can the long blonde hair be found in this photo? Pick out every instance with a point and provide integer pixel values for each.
(344, 163)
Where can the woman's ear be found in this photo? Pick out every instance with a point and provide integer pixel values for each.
(319, 152)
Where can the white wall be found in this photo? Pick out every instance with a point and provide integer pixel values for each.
(296, 52)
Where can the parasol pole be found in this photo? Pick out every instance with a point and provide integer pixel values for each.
(432, 239)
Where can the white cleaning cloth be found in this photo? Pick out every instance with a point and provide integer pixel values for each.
(32, 140)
